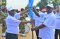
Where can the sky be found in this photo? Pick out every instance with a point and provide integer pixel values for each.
(18, 4)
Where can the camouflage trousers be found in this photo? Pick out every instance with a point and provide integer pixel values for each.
(3, 25)
(22, 29)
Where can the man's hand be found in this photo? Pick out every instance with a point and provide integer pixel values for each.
(23, 23)
(32, 29)
(36, 12)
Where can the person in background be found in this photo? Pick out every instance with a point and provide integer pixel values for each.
(57, 30)
(19, 14)
(54, 10)
(47, 28)
(17, 10)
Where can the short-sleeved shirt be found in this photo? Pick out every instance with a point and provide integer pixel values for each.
(12, 25)
(57, 23)
(48, 31)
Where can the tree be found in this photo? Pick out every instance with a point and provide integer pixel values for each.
(4, 2)
(56, 2)
(42, 3)
(45, 2)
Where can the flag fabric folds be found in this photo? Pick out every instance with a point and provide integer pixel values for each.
(30, 5)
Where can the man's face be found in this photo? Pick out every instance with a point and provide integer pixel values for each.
(37, 10)
(49, 9)
(59, 9)
(12, 13)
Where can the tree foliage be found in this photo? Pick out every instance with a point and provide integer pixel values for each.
(56, 2)
(44, 2)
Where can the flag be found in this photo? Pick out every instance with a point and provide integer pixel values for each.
(30, 5)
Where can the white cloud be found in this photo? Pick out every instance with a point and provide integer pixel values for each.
(17, 4)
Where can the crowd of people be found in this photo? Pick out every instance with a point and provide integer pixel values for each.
(46, 22)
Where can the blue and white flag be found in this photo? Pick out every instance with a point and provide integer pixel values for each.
(30, 5)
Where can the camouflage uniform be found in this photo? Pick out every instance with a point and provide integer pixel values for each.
(2, 21)
(22, 27)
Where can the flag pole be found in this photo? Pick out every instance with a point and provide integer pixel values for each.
(32, 27)
(30, 5)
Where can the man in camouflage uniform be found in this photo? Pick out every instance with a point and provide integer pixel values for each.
(2, 21)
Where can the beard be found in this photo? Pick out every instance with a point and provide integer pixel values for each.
(49, 11)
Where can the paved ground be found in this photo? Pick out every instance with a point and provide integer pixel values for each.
(28, 35)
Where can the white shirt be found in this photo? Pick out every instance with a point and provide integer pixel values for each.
(12, 25)
(17, 15)
(48, 31)
(57, 23)
(39, 20)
